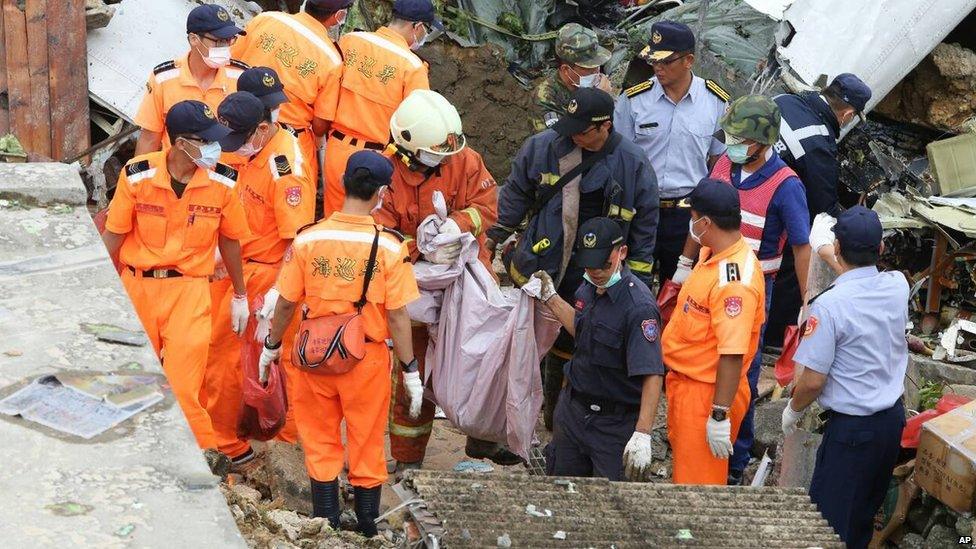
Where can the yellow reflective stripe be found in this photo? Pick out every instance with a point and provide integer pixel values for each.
(549, 179)
(475, 216)
(639, 266)
(517, 277)
(622, 213)
(411, 432)
(407, 237)
(541, 246)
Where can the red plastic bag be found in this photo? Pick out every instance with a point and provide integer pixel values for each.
(263, 407)
(785, 369)
(912, 432)
(667, 298)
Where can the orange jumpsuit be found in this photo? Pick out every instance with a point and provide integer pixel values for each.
(472, 202)
(380, 72)
(273, 187)
(299, 49)
(165, 232)
(172, 82)
(720, 312)
(325, 269)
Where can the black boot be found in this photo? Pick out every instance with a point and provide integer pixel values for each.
(486, 449)
(325, 501)
(367, 508)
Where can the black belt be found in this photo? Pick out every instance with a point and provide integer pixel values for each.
(293, 130)
(261, 262)
(675, 202)
(156, 273)
(602, 406)
(355, 142)
(827, 415)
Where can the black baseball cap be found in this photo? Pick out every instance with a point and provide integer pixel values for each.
(595, 240)
(667, 39)
(587, 107)
(242, 113)
(380, 168)
(330, 5)
(417, 10)
(212, 19)
(858, 229)
(263, 83)
(195, 118)
(852, 90)
(714, 197)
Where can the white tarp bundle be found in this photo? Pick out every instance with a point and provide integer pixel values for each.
(483, 358)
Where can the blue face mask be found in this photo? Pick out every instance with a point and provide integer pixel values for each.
(209, 155)
(738, 154)
(614, 278)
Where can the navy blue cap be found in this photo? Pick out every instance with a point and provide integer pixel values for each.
(596, 238)
(714, 197)
(330, 5)
(417, 10)
(858, 229)
(852, 90)
(213, 20)
(195, 118)
(263, 83)
(667, 39)
(380, 168)
(241, 112)
(588, 106)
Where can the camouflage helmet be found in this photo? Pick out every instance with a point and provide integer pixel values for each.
(754, 117)
(578, 45)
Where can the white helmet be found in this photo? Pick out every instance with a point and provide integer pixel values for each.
(425, 122)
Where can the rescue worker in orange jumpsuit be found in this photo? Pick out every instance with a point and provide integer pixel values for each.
(206, 74)
(298, 47)
(381, 70)
(273, 189)
(431, 156)
(326, 268)
(713, 334)
(170, 210)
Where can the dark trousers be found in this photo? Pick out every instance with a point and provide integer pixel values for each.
(672, 230)
(786, 301)
(741, 450)
(853, 470)
(586, 444)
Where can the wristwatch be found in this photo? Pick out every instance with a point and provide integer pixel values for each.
(269, 346)
(720, 413)
(411, 366)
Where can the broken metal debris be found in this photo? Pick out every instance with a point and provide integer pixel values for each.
(114, 334)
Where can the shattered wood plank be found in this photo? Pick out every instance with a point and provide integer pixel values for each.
(18, 73)
(69, 77)
(37, 62)
(4, 107)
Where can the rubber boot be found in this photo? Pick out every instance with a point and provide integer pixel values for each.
(325, 501)
(367, 508)
(485, 449)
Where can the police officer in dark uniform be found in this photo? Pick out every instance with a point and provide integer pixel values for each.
(579, 169)
(809, 128)
(606, 411)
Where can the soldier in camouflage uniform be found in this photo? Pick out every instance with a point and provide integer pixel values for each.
(774, 212)
(580, 57)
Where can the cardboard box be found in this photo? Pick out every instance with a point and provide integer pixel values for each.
(945, 466)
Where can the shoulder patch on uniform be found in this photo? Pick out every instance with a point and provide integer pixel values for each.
(733, 306)
(395, 233)
(732, 273)
(226, 171)
(134, 168)
(639, 88)
(239, 64)
(164, 66)
(649, 329)
(717, 91)
(810, 326)
(282, 165)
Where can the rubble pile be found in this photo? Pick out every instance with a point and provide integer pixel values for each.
(938, 93)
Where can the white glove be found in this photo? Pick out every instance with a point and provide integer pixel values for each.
(267, 357)
(445, 255)
(637, 458)
(239, 314)
(548, 288)
(719, 436)
(822, 232)
(790, 418)
(265, 314)
(415, 390)
(684, 269)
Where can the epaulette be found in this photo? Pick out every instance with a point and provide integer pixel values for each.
(240, 64)
(164, 66)
(717, 90)
(135, 168)
(395, 233)
(639, 88)
(282, 165)
(226, 171)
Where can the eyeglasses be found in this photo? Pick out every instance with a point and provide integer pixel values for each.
(666, 62)
(219, 42)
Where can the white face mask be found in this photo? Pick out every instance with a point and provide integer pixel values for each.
(419, 43)
(340, 20)
(587, 81)
(691, 230)
(430, 159)
(274, 115)
(249, 149)
(217, 57)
